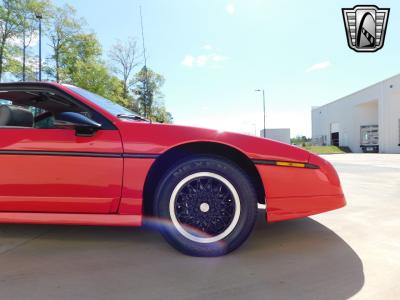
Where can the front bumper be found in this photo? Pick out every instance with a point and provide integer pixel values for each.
(293, 193)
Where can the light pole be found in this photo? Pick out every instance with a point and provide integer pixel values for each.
(263, 94)
(23, 57)
(255, 128)
(39, 17)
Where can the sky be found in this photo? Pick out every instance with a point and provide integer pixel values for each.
(215, 53)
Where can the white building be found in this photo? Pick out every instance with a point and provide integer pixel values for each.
(364, 118)
(277, 134)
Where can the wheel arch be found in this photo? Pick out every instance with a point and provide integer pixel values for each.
(168, 159)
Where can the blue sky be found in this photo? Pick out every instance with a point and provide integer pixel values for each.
(214, 53)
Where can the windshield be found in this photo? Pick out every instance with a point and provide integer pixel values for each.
(104, 103)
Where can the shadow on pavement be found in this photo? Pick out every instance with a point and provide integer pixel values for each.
(299, 259)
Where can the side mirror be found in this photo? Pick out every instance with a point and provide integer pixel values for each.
(82, 124)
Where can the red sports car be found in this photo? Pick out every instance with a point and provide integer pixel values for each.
(69, 156)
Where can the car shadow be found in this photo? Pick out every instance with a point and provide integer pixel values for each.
(299, 259)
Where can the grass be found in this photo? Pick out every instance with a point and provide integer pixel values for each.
(327, 149)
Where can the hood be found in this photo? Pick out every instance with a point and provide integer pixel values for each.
(143, 137)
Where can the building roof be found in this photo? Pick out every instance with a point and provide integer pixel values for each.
(363, 89)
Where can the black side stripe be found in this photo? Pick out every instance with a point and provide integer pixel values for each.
(274, 163)
(140, 155)
(77, 154)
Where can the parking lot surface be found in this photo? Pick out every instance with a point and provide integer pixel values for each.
(350, 252)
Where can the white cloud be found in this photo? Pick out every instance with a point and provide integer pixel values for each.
(204, 60)
(230, 8)
(208, 47)
(18, 41)
(201, 60)
(217, 58)
(319, 66)
(188, 61)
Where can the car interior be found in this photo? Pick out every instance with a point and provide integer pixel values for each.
(34, 109)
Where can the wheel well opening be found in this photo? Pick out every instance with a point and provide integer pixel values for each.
(169, 159)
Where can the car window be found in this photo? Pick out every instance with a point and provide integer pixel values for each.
(40, 117)
(104, 103)
(34, 109)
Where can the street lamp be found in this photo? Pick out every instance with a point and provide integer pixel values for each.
(255, 128)
(40, 17)
(263, 94)
(23, 56)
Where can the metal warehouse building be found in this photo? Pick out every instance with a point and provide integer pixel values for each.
(367, 120)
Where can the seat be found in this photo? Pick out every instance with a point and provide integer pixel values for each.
(11, 115)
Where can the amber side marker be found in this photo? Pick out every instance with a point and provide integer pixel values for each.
(285, 164)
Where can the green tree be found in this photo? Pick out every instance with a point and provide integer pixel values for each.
(83, 49)
(161, 115)
(300, 140)
(149, 98)
(82, 66)
(29, 9)
(10, 26)
(114, 91)
(76, 57)
(63, 28)
(12, 63)
(96, 78)
(147, 88)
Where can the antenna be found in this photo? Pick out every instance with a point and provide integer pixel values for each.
(145, 70)
(143, 44)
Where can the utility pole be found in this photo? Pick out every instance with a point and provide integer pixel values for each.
(263, 94)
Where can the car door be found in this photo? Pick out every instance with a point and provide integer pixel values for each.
(54, 170)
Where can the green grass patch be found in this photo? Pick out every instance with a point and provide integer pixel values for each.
(327, 149)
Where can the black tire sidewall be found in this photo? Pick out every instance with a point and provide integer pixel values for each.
(224, 168)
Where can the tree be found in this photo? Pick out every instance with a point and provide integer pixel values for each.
(95, 77)
(10, 27)
(161, 115)
(300, 140)
(12, 63)
(124, 57)
(147, 87)
(83, 49)
(114, 92)
(149, 98)
(76, 57)
(62, 29)
(18, 25)
(82, 65)
(29, 10)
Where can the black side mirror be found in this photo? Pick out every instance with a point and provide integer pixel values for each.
(82, 124)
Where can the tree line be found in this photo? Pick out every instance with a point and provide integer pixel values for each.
(76, 57)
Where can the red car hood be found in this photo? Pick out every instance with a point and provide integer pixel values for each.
(155, 138)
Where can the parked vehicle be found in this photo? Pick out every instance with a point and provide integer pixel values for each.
(69, 156)
(369, 137)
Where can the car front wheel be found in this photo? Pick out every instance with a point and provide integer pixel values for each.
(209, 203)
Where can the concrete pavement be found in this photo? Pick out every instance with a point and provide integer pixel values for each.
(351, 252)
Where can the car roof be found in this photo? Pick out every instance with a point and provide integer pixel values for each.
(28, 84)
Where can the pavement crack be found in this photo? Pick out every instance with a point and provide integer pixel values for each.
(23, 243)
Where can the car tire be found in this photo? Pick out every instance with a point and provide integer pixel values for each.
(209, 205)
